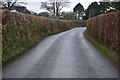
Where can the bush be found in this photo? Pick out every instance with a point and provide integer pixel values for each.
(103, 32)
(106, 30)
(21, 31)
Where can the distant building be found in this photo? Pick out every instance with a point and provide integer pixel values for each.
(33, 13)
(21, 9)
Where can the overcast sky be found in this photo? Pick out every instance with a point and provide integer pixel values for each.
(34, 5)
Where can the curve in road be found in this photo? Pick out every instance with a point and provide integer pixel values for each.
(64, 55)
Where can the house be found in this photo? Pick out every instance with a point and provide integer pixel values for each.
(21, 9)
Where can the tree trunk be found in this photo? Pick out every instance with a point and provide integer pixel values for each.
(57, 12)
(54, 11)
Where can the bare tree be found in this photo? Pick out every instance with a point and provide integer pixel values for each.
(10, 4)
(48, 6)
(55, 6)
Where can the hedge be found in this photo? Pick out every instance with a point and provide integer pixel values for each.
(21, 31)
(106, 30)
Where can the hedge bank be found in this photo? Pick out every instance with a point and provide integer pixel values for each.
(105, 29)
(21, 31)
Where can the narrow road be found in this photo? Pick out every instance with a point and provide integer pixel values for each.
(64, 55)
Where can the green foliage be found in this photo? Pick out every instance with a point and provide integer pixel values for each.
(104, 6)
(78, 8)
(44, 14)
(92, 10)
(22, 31)
(78, 11)
(96, 8)
(67, 16)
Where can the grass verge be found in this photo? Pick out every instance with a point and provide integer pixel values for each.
(111, 55)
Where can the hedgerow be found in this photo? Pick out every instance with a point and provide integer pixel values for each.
(21, 31)
(104, 33)
(106, 29)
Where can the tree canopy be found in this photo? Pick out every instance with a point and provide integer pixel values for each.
(78, 8)
(96, 8)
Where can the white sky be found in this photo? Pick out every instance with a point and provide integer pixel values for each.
(34, 5)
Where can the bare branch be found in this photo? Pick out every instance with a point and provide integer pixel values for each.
(9, 4)
(54, 6)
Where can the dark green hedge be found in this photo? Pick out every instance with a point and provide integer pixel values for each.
(21, 31)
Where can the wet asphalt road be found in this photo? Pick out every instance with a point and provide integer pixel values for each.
(64, 55)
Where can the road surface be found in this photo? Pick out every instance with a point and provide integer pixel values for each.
(64, 55)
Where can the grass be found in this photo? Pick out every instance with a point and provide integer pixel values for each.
(111, 55)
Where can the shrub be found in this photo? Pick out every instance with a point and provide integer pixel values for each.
(21, 31)
(106, 30)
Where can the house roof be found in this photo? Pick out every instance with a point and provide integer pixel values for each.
(22, 9)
